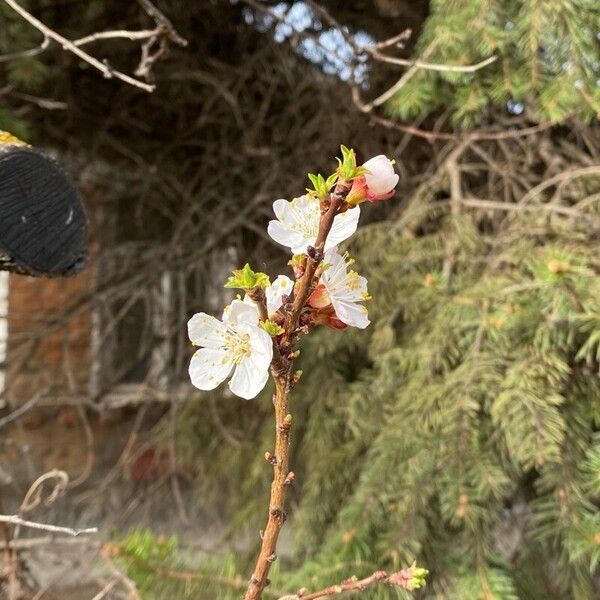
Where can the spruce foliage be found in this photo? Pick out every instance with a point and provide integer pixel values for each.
(461, 429)
(548, 60)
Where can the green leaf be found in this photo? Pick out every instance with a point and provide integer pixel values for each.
(347, 169)
(272, 328)
(247, 279)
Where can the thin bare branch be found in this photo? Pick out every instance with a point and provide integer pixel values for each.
(404, 62)
(27, 406)
(27, 53)
(119, 33)
(69, 46)
(17, 520)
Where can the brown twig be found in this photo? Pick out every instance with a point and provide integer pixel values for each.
(120, 33)
(281, 369)
(403, 579)
(27, 406)
(352, 585)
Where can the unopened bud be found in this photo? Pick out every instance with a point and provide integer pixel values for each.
(287, 424)
(296, 377)
(270, 458)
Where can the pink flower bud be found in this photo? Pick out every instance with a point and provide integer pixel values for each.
(381, 178)
(377, 184)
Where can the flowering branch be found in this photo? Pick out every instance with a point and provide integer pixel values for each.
(411, 578)
(257, 334)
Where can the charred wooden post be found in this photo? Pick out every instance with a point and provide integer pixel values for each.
(43, 226)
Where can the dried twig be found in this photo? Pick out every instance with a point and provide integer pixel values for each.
(68, 45)
(427, 66)
(17, 520)
(27, 406)
(401, 580)
(120, 33)
(26, 53)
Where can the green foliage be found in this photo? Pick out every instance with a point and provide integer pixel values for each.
(347, 169)
(22, 73)
(548, 60)
(272, 328)
(247, 279)
(322, 186)
(159, 572)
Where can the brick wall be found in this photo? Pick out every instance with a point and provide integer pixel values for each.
(48, 335)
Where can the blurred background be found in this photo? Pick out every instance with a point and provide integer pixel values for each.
(461, 429)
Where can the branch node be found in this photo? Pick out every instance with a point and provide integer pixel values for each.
(315, 254)
(270, 458)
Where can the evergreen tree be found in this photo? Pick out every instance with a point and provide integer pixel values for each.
(548, 60)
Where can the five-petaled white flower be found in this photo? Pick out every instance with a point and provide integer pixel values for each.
(237, 343)
(344, 289)
(282, 286)
(297, 224)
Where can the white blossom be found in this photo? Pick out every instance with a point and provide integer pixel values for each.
(344, 289)
(236, 344)
(297, 224)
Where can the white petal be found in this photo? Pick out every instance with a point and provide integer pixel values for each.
(209, 367)
(247, 382)
(351, 313)
(282, 285)
(279, 208)
(251, 375)
(337, 265)
(261, 344)
(381, 178)
(287, 237)
(297, 223)
(240, 311)
(346, 290)
(205, 330)
(261, 348)
(343, 227)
